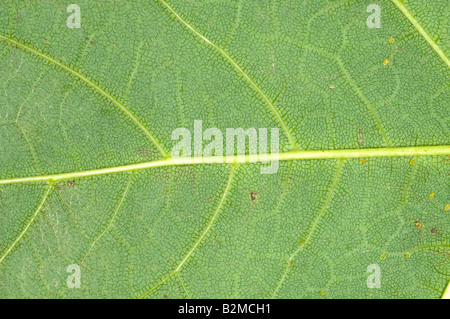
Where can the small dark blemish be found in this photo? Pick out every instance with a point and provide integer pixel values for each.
(90, 41)
(360, 137)
(253, 195)
(435, 231)
(418, 224)
(63, 185)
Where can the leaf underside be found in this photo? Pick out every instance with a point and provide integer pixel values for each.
(110, 94)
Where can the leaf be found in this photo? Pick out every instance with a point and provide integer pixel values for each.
(86, 177)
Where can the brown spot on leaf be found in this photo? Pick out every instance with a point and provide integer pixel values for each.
(253, 195)
(360, 137)
(90, 41)
(435, 231)
(256, 289)
(65, 184)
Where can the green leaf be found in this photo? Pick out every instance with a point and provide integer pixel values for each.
(87, 179)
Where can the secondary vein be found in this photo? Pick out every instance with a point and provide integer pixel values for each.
(241, 71)
(422, 31)
(311, 231)
(199, 240)
(446, 294)
(77, 74)
(33, 218)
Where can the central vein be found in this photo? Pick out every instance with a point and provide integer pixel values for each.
(254, 158)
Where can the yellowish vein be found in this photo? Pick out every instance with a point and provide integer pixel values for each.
(254, 158)
(111, 222)
(446, 294)
(33, 218)
(422, 31)
(77, 74)
(241, 71)
(200, 239)
(313, 227)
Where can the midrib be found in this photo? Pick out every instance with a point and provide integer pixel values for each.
(255, 158)
(286, 156)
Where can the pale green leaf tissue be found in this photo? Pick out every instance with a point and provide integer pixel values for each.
(93, 205)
